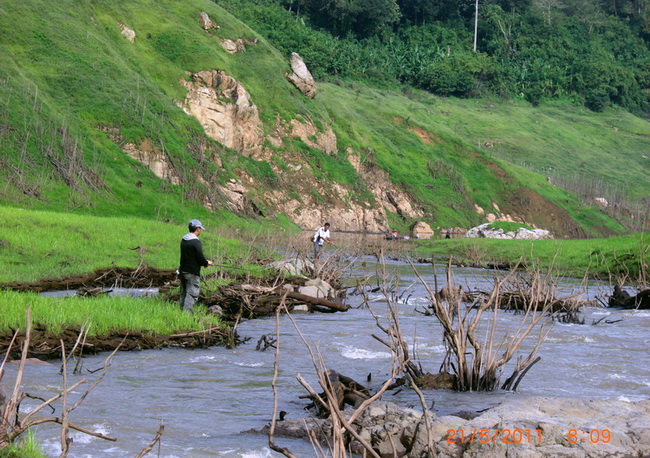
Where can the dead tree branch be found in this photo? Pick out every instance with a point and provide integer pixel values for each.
(154, 441)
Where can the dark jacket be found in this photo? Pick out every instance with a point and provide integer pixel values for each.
(192, 258)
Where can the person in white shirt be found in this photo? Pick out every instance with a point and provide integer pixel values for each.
(321, 236)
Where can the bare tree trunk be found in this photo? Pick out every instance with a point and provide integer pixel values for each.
(475, 24)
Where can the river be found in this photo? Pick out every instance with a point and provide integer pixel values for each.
(208, 398)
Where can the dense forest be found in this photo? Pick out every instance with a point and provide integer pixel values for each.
(591, 52)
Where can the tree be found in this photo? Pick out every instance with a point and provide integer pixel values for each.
(363, 18)
(547, 7)
(374, 17)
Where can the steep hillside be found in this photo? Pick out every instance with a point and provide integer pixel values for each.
(184, 121)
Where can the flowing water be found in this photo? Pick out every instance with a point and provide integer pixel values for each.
(209, 398)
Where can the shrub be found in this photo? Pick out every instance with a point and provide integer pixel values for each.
(459, 74)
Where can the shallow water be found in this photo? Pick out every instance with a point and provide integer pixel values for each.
(208, 397)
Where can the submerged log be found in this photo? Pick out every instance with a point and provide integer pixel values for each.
(345, 391)
(623, 299)
(519, 301)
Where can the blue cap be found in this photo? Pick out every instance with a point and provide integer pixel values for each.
(196, 223)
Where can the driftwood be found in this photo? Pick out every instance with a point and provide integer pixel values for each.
(623, 299)
(251, 301)
(345, 390)
(521, 300)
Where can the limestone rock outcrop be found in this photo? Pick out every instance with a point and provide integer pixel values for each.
(489, 232)
(207, 24)
(226, 111)
(127, 32)
(301, 77)
(324, 140)
(233, 46)
(421, 230)
(154, 158)
(224, 108)
(236, 195)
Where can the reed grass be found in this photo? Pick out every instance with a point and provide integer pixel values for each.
(101, 315)
(28, 447)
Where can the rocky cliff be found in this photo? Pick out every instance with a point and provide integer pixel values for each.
(228, 114)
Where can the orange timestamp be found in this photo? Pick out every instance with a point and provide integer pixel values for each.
(494, 436)
(594, 436)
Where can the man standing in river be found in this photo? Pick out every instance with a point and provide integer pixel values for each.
(192, 259)
(320, 236)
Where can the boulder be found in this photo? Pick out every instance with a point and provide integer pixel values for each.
(128, 33)
(535, 234)
(206, 23)
(533, 427)
(297, 266)
(389, 428)
(601, 202)
(488, 232)
(233, 47)
(225, 109)
(317, 288)
(301, 77)
(563, 425)
(421, 230)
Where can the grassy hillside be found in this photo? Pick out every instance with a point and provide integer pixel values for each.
(66, 73)
(415, 139)
(68, 78)
(603, 151)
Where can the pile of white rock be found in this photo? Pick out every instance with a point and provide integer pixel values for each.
(487, 231)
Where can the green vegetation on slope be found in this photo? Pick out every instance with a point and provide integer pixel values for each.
(414, 139)
(578, 149)
(593, 54)
(68, 80)
(73, 92)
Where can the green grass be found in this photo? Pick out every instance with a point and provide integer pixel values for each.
(101, 315)
(419, 142)
(38, 244)
(622, 256)
(27, 447)
(604, 151)
(67, 73)
(507, 226)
